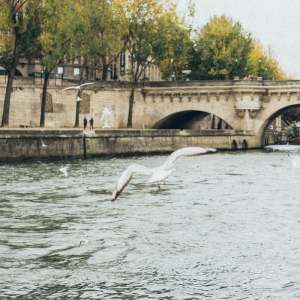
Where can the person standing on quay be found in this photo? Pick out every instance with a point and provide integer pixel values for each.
(91, 124)
(84, 122)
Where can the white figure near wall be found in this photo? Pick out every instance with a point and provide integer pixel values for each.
(105, 116)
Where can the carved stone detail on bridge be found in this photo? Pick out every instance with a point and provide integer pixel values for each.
(208, 97)
(171, 97)
(240, 112)
(267, 97)
(253, 113)
(278, 96)
(154, 97)
(227, 95)
(180, 97)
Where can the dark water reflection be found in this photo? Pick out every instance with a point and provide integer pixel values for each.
(224, 226)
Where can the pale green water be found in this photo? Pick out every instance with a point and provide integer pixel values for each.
(224, 226)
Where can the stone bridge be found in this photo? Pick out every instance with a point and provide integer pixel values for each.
(240, 105)
(237, 106)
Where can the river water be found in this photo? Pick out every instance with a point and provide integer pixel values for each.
(223, 226)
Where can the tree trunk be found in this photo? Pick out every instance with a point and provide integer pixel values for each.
(131, 101)
(77, 109)
(104, 72)
(44, 98)
(10, 80)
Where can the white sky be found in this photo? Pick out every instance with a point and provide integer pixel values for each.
(274, 23)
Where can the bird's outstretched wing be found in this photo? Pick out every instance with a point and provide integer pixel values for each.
(126, 177)
(187, 151)
(71, 88)
(87, 83)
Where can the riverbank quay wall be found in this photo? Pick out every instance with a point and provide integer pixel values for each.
(22, 144)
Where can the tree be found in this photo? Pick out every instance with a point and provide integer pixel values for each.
(149, 38)
(262, 64)
(57, 29)
(98, 39)
(221, 49)
(17, 18)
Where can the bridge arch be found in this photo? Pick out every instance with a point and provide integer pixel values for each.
(270, 118)
(191, 119)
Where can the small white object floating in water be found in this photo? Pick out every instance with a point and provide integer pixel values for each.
(286, 147)
(159, 173)
(78, 87)
(83, 240)
(64, 170)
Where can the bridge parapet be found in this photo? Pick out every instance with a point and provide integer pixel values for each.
(243, 97)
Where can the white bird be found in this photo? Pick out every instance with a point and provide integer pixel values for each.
(78, 87)
(159, 173)
(295, 160)
(64, 170)
(43, 145)
(78, 98)
(83, 240)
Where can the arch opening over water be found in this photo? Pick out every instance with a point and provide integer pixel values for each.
(191, 119)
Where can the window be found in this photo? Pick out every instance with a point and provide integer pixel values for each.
(113, 73)
(76, 72)
(76, 60)
(60, 70)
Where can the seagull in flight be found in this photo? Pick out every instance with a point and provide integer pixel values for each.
(295, 159)
(43, 145)
(64, 170)
(78, 87)
(159, 173)
(83, 240)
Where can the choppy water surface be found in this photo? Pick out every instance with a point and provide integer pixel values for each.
(224, 226)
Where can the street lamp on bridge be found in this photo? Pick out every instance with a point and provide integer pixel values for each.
(235, 71)
(259, 71)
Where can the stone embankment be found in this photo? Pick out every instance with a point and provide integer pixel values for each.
(27, 143)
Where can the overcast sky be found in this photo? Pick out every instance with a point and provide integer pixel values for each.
(274, 23)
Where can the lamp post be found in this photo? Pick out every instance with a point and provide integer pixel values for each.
(173, 69)
(259, 71)
(235, 71)
(266, 72)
